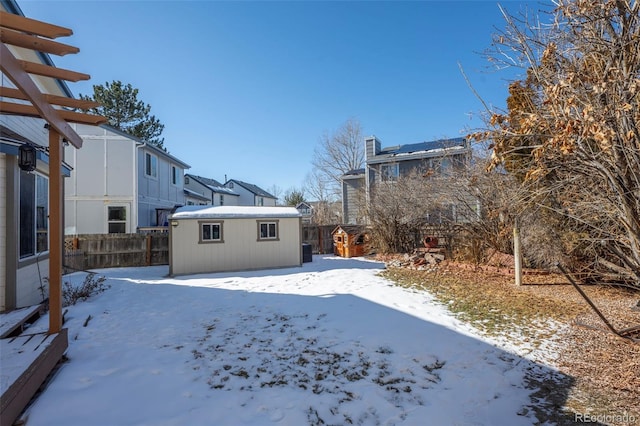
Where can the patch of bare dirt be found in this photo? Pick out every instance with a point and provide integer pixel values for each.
(605, 368)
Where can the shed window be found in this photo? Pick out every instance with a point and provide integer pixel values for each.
(211, 232)
(268, 230)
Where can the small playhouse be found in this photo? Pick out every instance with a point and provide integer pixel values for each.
(234, 238)
(349, 241)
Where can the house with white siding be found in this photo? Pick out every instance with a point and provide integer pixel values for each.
(119, 183)
(250, 194)
(216, 193)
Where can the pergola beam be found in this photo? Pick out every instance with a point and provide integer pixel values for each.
(69, 116)
(12, 68)
(85, 104)
(28, 41)
(53, 72)
(32, 26)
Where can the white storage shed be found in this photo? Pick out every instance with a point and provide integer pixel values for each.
(233, 238)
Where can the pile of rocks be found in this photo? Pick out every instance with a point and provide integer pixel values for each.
(420, 259)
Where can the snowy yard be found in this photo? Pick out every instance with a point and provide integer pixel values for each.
(326, 343)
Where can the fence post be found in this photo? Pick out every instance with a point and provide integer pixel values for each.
(517, 252)
(148, 249)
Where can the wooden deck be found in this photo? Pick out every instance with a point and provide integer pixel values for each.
(25, 361)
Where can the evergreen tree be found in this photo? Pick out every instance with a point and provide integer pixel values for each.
(119, 103)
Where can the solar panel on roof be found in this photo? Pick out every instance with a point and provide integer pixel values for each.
(428, 146)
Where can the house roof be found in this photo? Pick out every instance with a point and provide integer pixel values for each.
(355, 173)
(194, 194)
(213, 185)
(251, 188)
(227, 212)
(413, 151)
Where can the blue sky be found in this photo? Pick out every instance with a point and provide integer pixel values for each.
(246, 89)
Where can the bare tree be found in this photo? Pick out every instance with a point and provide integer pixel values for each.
(571, 132)
(398, 210)
(316, 185)
(338, 153)
(276, 191)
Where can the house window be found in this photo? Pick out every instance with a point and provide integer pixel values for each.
(260, 201)
(34, 214)
(221, 200)
(186, 180)
(116, 219)
(211, 232)
(150, 165)
(268, 230)
(389, 172)
(175, 175)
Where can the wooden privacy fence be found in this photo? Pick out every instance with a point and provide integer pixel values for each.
(319, 236)
(93, 251)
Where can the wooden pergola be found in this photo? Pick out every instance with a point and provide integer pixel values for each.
(23, 38)
(28, 37)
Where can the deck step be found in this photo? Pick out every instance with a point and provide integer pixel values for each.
(26, 361)
(12, 323)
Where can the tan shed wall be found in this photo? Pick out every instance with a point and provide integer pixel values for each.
(240, 250)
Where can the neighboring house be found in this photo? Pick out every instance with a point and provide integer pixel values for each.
(193, 198)
(233, 238)
(388, 164)
(250, 195)
(215, 192)
(119, 183)
(306, 211)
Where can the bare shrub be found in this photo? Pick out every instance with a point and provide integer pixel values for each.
(91, 286)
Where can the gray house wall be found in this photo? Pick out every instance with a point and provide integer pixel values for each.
(158, 192)
(441, 156)
(353, 199)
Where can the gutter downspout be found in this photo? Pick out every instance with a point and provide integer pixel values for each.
(136, 178)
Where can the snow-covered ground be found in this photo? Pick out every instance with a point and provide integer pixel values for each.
(328, 343)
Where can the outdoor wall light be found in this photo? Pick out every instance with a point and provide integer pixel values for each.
(174, 223)
(27, 157)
